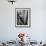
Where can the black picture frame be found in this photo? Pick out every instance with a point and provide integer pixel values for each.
(23, 17)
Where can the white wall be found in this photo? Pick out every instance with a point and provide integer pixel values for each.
(37, 30)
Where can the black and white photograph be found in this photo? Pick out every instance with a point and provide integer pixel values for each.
(22, 17)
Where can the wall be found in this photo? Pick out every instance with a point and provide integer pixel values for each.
(8, 30)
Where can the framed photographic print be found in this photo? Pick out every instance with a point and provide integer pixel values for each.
(22, 17)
